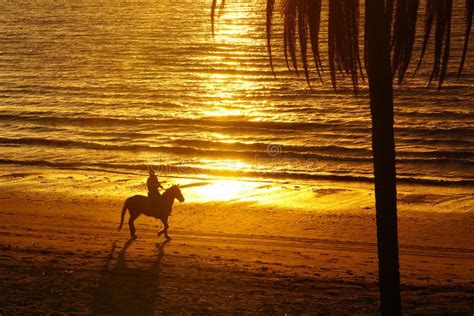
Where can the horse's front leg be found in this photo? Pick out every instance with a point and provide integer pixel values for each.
(161, 232)
(165, 228)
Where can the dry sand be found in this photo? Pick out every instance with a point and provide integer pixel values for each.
(238, 247)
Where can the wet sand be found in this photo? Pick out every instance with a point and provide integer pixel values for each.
(264, 248)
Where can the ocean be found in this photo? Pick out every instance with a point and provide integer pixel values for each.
(120, 85)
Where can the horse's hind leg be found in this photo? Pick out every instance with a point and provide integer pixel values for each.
(133, 216)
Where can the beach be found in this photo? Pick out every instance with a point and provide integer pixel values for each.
(282, 247)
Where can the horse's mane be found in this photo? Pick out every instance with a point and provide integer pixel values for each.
(170, 189)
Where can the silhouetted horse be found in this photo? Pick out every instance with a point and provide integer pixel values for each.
(139, 204)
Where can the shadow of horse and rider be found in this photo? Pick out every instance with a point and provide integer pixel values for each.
(155, 204)
(124, 290)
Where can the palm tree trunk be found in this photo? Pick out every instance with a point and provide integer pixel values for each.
(383, 147)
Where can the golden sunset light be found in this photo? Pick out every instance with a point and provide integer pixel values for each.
(245, 157)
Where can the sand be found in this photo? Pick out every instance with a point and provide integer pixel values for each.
(238, 247)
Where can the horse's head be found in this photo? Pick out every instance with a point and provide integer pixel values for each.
(176, 192)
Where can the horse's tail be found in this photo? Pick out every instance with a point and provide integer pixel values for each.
(124, 210)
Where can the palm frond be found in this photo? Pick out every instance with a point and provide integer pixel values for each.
(469, 13)
(314, 22)
(270, 8)
(438, 12)
(404, 28)
(288, 9)
(302, 9)
(301, 20)
(443, 36)
(213, 15)
(343, 39)
(427, 31)
(221, 8)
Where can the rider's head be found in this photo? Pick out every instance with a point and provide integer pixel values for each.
(151, 172)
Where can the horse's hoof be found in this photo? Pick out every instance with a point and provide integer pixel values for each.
(159, 233)
(168, 238)
(134, 237)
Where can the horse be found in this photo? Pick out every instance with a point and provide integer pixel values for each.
(139, 204)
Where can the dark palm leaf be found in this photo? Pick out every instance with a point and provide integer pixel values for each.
(469, 13)
(404, 27)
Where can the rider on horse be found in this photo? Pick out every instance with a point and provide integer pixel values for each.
(153, 194)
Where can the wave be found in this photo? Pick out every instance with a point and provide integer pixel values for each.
(238, 124)
(170, 170)
(254, 151)
(186, 122)
(357, 153)
(441, 114)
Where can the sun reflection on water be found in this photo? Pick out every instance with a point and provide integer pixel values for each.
(224, 88)
(227, 165)
(221, 190)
